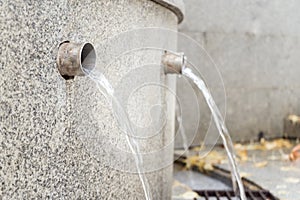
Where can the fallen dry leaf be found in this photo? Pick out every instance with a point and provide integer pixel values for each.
(277, 144)
(182, 191)
(208, 167)
(295, 153)
(292, 180)
(191, 161)
(205, 163)
(290, 168)
(190, 195)
(243, 154)
(265, 145)
(261, 164)
(197, 149)
(245, 174)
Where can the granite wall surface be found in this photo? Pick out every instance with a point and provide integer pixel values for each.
(56, 136)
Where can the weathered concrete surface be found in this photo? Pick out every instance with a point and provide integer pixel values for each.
(44, 119)
(255, 45)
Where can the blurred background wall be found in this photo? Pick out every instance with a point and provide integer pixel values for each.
(255, 45)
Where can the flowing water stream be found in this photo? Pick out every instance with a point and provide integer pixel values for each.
(107, 90)
(220, 124)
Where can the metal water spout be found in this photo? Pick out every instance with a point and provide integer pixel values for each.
(173, 62)
(74, 58)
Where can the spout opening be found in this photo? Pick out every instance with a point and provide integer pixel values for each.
(87, 58)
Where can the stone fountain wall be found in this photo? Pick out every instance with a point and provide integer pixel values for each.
(46, 121)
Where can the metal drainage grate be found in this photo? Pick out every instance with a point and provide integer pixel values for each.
(225, 195)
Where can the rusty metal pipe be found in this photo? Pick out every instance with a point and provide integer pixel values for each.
(173, 63)
(74, 59)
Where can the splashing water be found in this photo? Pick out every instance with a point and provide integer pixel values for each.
(107, 90)
(220, 124)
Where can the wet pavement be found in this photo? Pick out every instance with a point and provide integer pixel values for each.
(273, 171)
(269, 168)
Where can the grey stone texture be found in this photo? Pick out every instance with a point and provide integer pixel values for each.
(57, 137)
(255, 45)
